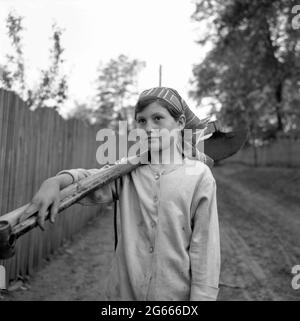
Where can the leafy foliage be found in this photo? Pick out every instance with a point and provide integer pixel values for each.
(13, 72)
(253, 68)
(117, 90)
(52, 89)
(116, 93)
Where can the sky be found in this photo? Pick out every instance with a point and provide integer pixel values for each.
(159, 32)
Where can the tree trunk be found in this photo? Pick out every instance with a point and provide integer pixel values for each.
(278, 95)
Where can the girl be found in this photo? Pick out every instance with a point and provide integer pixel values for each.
(169, 246)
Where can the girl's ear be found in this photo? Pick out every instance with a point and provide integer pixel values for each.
(181, 121)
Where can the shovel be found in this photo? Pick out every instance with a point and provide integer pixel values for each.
(220, 145)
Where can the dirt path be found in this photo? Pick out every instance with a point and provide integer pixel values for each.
(260, 232)
(78, 270)
(259, 212)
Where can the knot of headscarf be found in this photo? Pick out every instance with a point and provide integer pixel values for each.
(190, 146)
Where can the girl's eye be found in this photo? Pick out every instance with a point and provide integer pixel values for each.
(157, 117)
(140, 121)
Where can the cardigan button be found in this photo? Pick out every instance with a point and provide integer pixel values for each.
(155, 198)
(156, 176)
(151, 249)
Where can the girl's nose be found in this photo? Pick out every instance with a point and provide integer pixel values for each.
(151, 127)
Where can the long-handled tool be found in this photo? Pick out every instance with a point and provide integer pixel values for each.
(218, 146)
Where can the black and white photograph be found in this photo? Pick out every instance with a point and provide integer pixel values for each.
(149, 152)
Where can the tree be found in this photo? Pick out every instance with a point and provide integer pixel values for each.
(52, 89)
(116, 90)
(253, 68)
(13, 73)
(83, 112)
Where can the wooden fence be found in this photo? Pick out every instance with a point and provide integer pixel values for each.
(34, 146)
(283, 152)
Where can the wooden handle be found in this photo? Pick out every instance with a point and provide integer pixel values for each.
(16, 223)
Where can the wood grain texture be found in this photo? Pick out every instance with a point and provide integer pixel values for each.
(34, 146)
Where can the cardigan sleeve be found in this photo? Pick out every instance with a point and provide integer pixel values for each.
(104, 194)
(204, 248)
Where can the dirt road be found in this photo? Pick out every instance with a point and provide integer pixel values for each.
(259, 213)
(260, 232)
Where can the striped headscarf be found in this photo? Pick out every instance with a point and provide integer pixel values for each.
(171, 96)
(191, 143)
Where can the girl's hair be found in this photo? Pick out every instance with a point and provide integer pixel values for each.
(144, 102)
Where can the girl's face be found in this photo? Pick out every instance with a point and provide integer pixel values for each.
(157, 119)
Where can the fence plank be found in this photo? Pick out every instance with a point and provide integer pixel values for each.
(34, 146)
(282, 152)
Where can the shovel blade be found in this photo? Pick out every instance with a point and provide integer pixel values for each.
(223, 145)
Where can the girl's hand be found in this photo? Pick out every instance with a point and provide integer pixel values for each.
(47, 196)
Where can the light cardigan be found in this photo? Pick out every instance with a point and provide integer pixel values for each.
(169, 247)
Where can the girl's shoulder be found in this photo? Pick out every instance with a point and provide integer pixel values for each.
(194, 167)
(200, 177)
